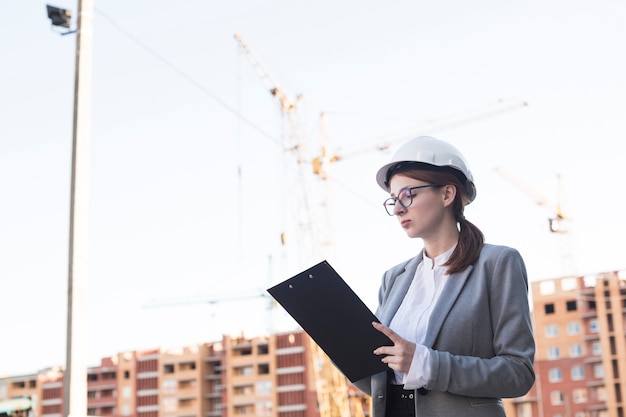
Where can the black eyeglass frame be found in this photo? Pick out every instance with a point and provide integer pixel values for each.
(390, 203)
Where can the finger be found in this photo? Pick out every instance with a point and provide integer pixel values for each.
(385, 350)
(387, 331)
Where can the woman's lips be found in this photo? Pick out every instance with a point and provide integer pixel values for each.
(405, 223)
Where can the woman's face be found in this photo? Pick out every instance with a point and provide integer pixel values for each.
(425, 216)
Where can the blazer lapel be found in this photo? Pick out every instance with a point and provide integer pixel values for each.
(398, 289)
(448, 297)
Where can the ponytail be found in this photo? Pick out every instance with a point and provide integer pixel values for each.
(471, 242)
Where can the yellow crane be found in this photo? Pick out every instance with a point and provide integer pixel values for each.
(559, 222)
(331, 386)
(293, 147)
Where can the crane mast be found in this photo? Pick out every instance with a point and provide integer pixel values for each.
(331, 386)
(298, 228)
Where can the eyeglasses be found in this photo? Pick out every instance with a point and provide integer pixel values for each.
(405, 198)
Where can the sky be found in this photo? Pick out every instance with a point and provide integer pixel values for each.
(191, 185)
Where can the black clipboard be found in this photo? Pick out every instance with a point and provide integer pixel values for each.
(335, 318)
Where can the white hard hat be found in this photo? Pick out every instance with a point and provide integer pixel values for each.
(431, 151)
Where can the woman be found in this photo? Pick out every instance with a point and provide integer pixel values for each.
(458, 312)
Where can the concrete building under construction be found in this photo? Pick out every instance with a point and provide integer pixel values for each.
(263, 376)
(580, 333)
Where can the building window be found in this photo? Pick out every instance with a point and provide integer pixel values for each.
(168, 386)
(264, 408)
(552, 330)
(169, 405)
(578, 373)
(556, 398)
(109, 375)
(107, 393)
(612, 345)
(263, 388)
(573, 328)
(168, 368)
(264, 368)
(524, 410)
(598, 371)
(186, 402)
(553, 352)
(546, 287)
(244, 410)
(592, 305)
(571, 305)
(555, 375)
(593, 326)
(243, 370)
(568, 284)
(243, 390)
(126, 374)
(596, 348)
(187, 366)
(580, 395)
(575, 350)
(549, 308)
(244, 351)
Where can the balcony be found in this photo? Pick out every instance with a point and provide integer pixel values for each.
(214, 394)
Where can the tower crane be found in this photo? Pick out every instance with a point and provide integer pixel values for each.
(294, 145)
(331, 386)
(559, 222)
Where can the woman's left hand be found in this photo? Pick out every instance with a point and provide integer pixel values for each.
(400, 355)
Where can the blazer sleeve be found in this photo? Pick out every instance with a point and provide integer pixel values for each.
(501, 364)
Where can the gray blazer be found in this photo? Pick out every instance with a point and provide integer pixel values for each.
(479, 334)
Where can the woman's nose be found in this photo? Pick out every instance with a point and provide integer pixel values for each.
(398, 208)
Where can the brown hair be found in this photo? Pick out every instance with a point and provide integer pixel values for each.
(471, 238)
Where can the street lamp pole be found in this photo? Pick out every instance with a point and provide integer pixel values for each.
(76, 361)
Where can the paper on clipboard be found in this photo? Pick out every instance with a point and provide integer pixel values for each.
(335, 318)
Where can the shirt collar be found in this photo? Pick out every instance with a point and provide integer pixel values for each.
(439, 260)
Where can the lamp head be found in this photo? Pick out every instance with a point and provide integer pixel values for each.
(59, 17)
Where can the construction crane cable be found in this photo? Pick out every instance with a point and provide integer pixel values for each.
(190, 79)
(429, 127)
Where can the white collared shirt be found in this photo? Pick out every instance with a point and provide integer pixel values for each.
(411, 319)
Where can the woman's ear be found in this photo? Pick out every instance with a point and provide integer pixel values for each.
(449, 193)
